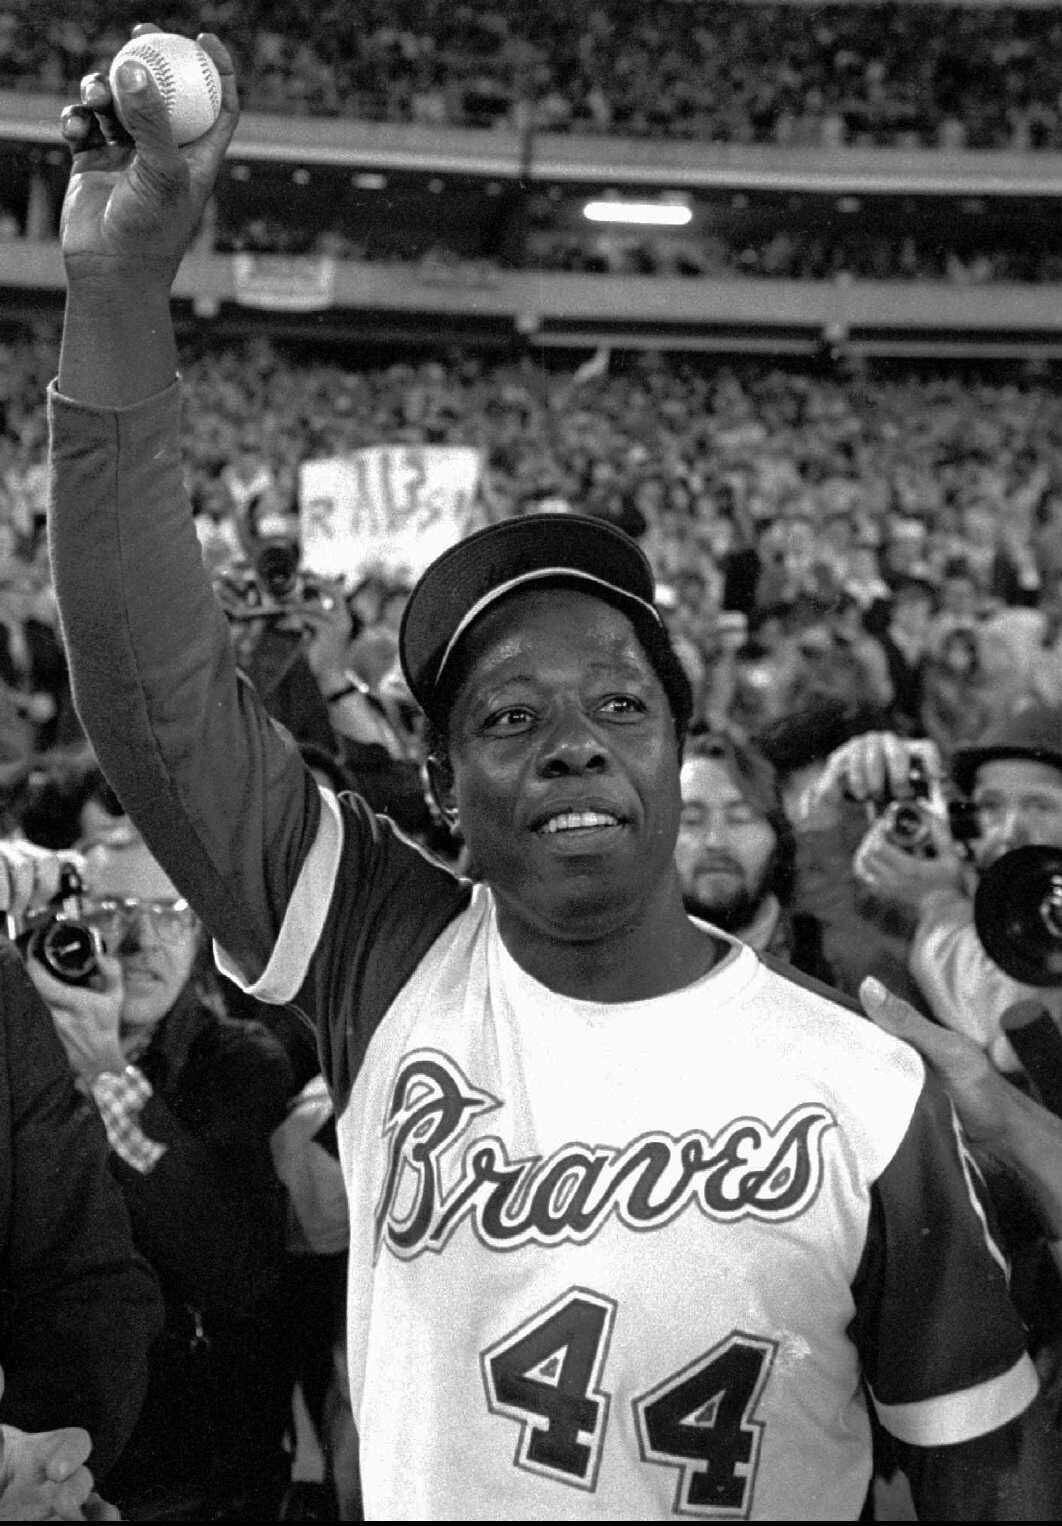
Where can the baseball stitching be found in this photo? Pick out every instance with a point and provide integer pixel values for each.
(165, 77)
(210, 79)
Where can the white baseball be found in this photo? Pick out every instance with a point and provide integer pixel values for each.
(187, 78)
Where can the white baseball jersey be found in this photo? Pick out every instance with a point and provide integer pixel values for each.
(629, 1260)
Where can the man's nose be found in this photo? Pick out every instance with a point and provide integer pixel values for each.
(571, 744)
(130, 941)
(713, 827)
(136, 934)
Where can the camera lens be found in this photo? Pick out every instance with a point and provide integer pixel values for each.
(1018, 914)
(1051, 911)
(908, 828)
(276, 567)
(68, 950)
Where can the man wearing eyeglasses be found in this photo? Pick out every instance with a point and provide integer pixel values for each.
(189, 1099)
(150, 939)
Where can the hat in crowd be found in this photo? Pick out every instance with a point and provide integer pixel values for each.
(1034, 732)
(469, 578)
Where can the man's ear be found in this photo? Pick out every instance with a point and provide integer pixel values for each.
(439, 787)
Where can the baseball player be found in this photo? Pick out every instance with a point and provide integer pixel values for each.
(640, 1226)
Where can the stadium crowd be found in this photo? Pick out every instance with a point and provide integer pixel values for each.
(823, 255)
(906, 74)
(791, 498)
(826, 254)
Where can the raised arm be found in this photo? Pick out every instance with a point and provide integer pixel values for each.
(217, 789)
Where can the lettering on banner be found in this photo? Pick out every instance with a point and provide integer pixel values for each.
(390, 507)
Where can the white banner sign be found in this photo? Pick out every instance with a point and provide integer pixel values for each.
(393, 507)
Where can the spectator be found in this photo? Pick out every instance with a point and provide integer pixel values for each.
(1044, 682)
(905, 641)
(958, 704)
(910, 75)
(67, 800)
(735, 850)
(1014, 779)
(851, 635)
(164, 1068)
(80, 1306)
(860, 934)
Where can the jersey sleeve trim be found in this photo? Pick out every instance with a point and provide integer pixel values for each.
(965, 1415)
(304, 918)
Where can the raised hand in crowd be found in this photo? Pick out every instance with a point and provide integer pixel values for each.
(329, 630)
(903, 877)
(29, 876)
(86, 1017)
(873, 767)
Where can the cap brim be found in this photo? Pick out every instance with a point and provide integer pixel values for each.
(469, 578)
(969, 759)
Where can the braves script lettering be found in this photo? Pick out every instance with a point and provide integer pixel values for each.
(747, 1170)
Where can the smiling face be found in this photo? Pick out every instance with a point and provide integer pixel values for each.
(565, 766)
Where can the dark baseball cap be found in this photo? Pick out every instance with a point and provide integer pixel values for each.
(469, 578)
(1034, 732)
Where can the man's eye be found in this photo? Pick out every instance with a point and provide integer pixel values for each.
(509, 719)
(623, 704)
(741, 815)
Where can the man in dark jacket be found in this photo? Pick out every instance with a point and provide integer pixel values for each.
(78, 1305)
(189, 1099)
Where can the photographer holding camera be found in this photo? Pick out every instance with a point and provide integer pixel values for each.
(1011, 786)
(274, 609)
(189, 1099)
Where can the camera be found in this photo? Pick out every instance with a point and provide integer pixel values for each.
(276, 568)
(271, 586)
(57, 936)
(1018, 914)
(907, 822)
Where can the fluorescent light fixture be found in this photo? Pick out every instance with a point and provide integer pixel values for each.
(648, 214)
